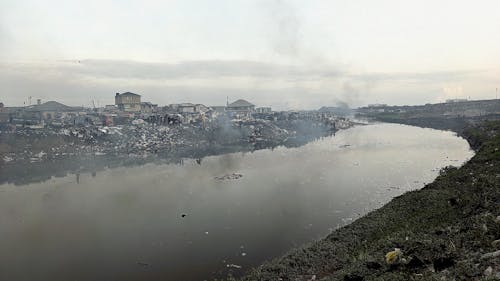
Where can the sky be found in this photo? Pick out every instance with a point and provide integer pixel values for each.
(285, 54)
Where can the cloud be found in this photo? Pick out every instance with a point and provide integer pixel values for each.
(198, 69)
(122, 69)
(211, 81)
(419, 76)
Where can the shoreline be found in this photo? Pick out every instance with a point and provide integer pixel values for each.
(442, 230)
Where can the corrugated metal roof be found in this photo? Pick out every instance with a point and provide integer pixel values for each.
(240, 103)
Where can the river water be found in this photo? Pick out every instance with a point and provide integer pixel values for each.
(183, 222)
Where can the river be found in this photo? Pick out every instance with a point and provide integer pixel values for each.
(187, 221)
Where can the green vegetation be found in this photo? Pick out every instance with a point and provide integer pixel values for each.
(443, 230)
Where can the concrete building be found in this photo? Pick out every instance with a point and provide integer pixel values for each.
(147, 107)
(455, 100)
(263, 110)
(128, 102)
(187, 108)
(110, 108)
(240, 109)
(4, 114)
(218, 108)
(49, 111)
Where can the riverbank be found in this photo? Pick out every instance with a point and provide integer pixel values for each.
(447, 230)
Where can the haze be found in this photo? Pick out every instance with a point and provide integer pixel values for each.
(284, 54)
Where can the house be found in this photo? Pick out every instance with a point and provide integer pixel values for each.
(147, 107)
(218, 108)
(186, 108)
(263, 110)
(4, 114)
(189, 108)
(240, 105)
(49, 111)
(110, 108)
(128, 102)
(240, 108)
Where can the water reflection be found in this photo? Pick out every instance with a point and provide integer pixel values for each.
(179, 222)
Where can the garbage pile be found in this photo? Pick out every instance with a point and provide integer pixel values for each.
(138, 139)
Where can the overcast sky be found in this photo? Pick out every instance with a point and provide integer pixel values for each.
(281, 53)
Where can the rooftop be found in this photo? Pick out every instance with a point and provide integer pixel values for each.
(51, 106)
(240, 103)
(129, 94)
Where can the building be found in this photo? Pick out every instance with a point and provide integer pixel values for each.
(263, 110)
(49, 111)
(128, 102)
(186, 108)
(240, 108)
(4, 114)
(110, 108)
(189, 108)
(455, 100)
(147, 107)
(218, 108)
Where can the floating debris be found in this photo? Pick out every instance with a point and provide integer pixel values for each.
(233, 176)
(7, 159)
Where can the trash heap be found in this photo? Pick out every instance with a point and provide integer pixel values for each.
(138, 139)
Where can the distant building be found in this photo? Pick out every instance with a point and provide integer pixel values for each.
(147, 107)
(263, 110)
(110, 107)
(4, 114)
(240, 108)
(49, 111)
(218, 108)
(187, 108)
(377, 105)
(128, 102)
(455, 100)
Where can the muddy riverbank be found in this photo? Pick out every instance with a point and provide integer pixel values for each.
(448, 230)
